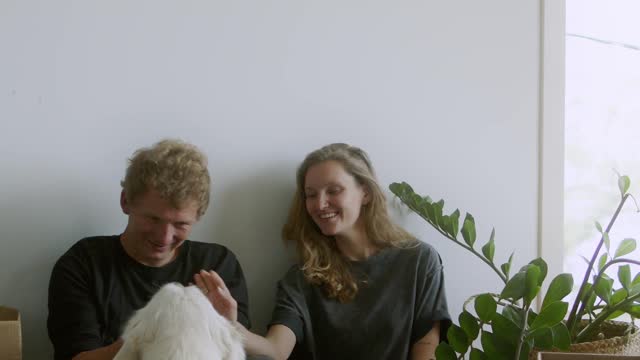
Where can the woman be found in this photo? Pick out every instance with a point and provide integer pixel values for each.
(364, 287)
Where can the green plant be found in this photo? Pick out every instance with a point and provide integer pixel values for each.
(506, 323)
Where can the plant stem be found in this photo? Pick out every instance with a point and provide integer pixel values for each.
(463, 245)
(602, 272)
(524, 328)
(575, 315)
(602, 317)
(612, 262)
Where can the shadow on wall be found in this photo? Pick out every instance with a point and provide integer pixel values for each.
(38, 224)
(248, 214)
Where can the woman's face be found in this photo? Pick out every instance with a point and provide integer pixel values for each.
(334, 199)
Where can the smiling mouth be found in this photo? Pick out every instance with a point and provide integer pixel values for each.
(158, 247)
(328, 215)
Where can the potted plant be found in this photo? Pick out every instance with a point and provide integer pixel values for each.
(506, 322)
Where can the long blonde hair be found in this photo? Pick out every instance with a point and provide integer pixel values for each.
(322, 263)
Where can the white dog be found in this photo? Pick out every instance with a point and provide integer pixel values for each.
(179, 323)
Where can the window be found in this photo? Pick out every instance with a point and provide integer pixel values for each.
(602, 125)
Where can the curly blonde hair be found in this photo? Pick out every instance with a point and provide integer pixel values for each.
(322, 263)
(176, 169)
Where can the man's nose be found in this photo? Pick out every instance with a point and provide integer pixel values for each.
(166, 232)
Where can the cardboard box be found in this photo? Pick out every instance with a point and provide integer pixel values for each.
(575, 356)
(10, 334)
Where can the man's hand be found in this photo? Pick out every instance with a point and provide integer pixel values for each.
(216, 291)
(103, 353)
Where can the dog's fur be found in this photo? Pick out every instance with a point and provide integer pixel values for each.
(180, 323)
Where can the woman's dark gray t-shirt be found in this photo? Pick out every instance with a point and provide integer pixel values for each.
(402, 297)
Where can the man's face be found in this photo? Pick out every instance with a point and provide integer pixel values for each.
(155, 228)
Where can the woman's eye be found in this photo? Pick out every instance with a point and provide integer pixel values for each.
(309, 196)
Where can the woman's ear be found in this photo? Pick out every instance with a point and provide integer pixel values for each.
(366, 198)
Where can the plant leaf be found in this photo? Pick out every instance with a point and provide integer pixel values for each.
(551, 315)
(489, 249)
(623, 184)
(633, 310)
(485, 306)
(615, 314)
(469, 324)
(560, 287)
(491, 349)
(602, 262)
(445, 224)
(624, 275)
(625, 247)
(458, 339)
(437, 211)
(561, 336)
(444, 351)
(506, 267)
(603, 288)
(469, 230)
(398, 189)
(526, 349)
(599, 227)
(607, 241)
(477, 354)
(513, 313)
(424, 210)
(592, 298)
(454, 223)
(543, 338)
(515, 287)
(618, 296)
(540, 263)
(635, 286)
(505, 329)
(532, 287)
(416, 200)
(431, 213)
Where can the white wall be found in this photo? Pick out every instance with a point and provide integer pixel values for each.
(444, 95)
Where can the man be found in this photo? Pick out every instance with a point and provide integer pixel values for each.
(100, 281)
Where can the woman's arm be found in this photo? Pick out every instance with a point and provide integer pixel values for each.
(425, 348)
(280, 340)
(278, 343)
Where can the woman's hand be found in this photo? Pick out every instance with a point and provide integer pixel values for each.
(216, 291)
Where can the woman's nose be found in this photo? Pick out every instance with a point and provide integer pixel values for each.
(323, 201)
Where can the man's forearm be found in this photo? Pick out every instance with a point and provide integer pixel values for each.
(103, 353)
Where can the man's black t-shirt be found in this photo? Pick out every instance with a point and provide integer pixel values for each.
(96, 286)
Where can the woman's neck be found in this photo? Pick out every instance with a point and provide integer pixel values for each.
(356, 245)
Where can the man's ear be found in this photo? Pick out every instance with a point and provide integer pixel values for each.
(123, 203)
